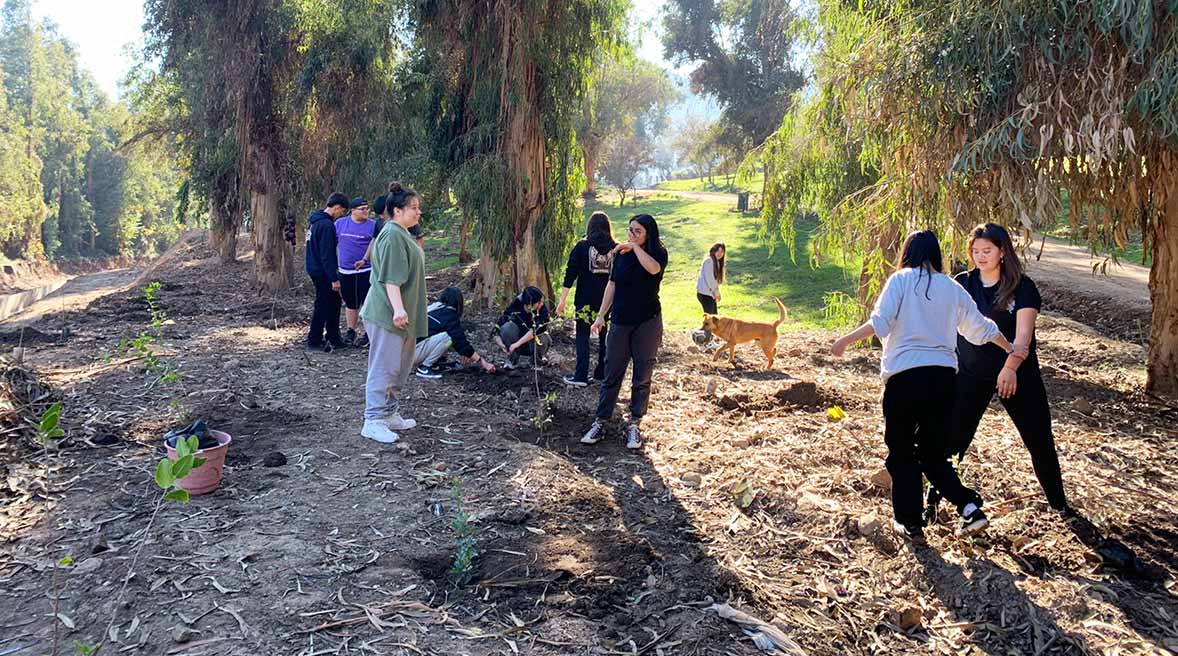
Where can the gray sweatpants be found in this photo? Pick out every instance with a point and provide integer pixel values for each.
(390, 360)
(430, 350)
(510, 334)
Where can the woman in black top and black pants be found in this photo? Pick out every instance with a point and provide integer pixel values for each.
(1003, 293)
(588, 268)
(632, 301)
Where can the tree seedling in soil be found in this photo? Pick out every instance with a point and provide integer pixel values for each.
(168, 474)
(165, 371)
(462, 569)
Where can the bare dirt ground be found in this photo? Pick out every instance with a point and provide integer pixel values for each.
(319, 542)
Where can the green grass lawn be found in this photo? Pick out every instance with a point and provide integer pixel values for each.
(718, 184)
(755, 275)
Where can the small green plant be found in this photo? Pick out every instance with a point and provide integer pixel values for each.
(48, 429)
(545, 411)
(169, 472)
(464, 539)
(165, 371)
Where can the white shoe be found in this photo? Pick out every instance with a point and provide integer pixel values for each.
(397, 422)
(379, 431)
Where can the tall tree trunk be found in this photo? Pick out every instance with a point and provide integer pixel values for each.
(591, 148)
(1162, 369)
(464, 255)
(223, 231)
(272, 255)
(526, 152)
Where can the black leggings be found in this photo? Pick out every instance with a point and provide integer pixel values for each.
(708, 303)
(916, 407)
(584, 336)
(1029, 411)
(639, 343)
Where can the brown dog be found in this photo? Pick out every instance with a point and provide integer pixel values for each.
(736, 331)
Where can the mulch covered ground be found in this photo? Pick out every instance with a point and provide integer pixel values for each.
(747, 494)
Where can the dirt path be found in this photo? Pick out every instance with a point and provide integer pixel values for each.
(319, 542)
(77, 293)
(708, 196)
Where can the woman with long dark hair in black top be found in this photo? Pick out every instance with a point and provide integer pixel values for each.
(1005, 294)
(588, 269)
(636, 331)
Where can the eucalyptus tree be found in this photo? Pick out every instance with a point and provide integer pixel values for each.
(278, 102)
(508, 81)
(744, 55)
(962, 112)
(627, 100)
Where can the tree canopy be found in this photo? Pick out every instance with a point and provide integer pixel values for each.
(945, 115)
(743, 51)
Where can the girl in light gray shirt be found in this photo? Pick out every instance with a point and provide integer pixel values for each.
(918, 316)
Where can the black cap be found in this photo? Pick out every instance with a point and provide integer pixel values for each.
(379, 203)
(358, 201)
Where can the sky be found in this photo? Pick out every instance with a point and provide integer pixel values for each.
(102, 30)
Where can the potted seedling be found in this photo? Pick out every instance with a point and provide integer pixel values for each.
(212, 447)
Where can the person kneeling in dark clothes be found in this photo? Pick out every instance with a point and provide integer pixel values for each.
(521, 329)
(445, 331)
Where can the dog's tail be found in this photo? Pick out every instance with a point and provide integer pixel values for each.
(780, 312)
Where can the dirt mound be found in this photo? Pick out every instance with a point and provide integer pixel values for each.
(26, 336)
(799, 395)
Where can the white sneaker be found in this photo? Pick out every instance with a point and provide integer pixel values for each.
(595, 433)
(379, 431)
(397, 422)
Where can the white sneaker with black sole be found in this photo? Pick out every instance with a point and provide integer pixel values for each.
(595, 433)
(973, 521)
(378, 431)
(633, 437)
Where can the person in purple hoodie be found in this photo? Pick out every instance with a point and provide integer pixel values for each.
(354, 234)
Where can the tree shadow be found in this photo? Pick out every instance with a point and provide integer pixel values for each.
(990, 604)
(1142, 598)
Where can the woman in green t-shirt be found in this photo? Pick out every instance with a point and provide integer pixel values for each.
(394, 315)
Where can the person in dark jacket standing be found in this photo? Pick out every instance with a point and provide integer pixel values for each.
(446, 331)
(632, 302)
(588, 268)
(323, 267)
(1003, 293)
(521, 329)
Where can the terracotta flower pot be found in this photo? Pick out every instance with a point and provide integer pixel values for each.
(207, 477)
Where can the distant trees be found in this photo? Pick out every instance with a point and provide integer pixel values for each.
(68, 187)
(628, 98)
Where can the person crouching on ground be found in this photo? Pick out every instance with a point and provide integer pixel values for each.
(588, 268)
(521, 329)
(918, 316)
(354, 234)
(632, 303)
(445, 331)
(394, 316)
(323, 267)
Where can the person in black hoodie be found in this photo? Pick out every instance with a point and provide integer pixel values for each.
(588, 268)
(323, 267)
(445, 331)
(523, 322)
